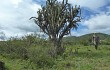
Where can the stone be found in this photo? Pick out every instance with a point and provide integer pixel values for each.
(2, 65)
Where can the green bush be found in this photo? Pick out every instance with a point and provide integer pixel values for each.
(40, 57)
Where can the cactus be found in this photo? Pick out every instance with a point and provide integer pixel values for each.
(56, 19)
(95, 40)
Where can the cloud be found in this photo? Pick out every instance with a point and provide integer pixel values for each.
(15, 14)
(96, 24)
(96, 16)
(14, 17)
(100, 21)
(92, 4)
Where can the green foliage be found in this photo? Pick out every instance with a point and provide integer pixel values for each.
(86, 39)
(41, 57)
(14, 49)
(18, 48)
(28, 48)
(13, 53)
(17, 64)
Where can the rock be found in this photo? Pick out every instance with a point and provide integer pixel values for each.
(2, 65)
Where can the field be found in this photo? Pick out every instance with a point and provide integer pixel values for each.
(75, 57)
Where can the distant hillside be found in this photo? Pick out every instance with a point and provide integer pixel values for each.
(85, 39)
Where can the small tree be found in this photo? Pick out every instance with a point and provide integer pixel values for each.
(96, 41)
(56, 19)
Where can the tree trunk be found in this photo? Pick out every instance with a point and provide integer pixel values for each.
(56, 47)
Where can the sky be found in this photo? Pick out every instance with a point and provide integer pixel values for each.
(15, 14)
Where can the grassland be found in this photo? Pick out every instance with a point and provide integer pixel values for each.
(87, 58)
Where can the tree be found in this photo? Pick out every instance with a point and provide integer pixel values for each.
(56, 19)
(95, 40)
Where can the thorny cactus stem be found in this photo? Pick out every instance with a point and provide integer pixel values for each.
(56, 19)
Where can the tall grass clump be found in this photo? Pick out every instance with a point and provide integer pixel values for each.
(30, 48)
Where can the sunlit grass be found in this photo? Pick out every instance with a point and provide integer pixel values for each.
(17, 64)
(87, 58)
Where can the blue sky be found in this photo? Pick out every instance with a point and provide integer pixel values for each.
(15, 14)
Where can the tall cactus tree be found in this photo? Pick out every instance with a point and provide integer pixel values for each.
(56, 19)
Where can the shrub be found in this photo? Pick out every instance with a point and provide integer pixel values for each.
(41, 57)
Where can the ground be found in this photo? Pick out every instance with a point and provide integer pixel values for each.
(87, 58)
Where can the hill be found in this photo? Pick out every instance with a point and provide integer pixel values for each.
(86, 39)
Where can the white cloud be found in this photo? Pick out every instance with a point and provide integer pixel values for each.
(100, 21)
(96, 24)
(16, 2)
(92, 4)
(14, 16)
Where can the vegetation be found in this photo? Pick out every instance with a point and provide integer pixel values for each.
(56, 19)
(32, 53)
(86, 39)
